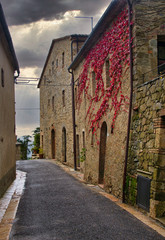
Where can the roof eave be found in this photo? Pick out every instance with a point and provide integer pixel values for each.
(50, 50)
(108, 16)
(9, 40)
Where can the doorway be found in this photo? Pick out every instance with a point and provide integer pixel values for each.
(103, 140)
(53, 143)
(64, 144)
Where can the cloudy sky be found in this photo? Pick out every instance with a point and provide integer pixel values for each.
(33, 24)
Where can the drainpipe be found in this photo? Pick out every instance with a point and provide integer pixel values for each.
(131, 96)
(74, 121)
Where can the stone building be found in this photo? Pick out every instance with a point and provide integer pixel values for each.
(120, 106)
(56, 135)
(8, 66)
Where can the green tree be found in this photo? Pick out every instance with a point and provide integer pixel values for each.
(24, 146)
(36, 142)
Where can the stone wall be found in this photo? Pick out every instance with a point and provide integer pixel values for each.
(145, 152)
(148, 25)
(115, 142)
(147, 148)
(56, 100)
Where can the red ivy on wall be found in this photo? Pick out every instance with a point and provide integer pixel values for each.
(113, 45)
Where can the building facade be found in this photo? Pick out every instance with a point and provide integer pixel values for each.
(8, 66)
(56, 134)
(119, 99)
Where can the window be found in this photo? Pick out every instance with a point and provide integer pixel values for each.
(53, 103)
(92, 138)
(63, 55)
(107, 66)
(56, 63)
(52, 67)
(93, 83)
(161, 54)
(49, 72)
(2, 78)
(42, 140)
(63, 98)
(83, 135)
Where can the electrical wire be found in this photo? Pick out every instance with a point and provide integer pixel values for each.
(27, 109)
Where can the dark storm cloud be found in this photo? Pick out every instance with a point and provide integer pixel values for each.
(20, 12)
(30, 58)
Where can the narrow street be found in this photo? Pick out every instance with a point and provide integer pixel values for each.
(55, 205)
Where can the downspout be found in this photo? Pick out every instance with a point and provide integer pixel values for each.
(73, 105)
(131, 96)
(74, 121)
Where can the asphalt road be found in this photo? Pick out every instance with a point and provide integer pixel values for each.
(56, 206)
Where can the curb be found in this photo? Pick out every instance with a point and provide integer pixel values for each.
(9, 203)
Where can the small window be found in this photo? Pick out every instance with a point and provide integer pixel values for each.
(50, 72)
(83, 135)
(2, 78)
(52, 67)
(93, 83)
(42, 141)
(63, 56)
(107, 66)
(63, 98)
(161, 54)
(56, 63)
(53, 103)
(92, 138)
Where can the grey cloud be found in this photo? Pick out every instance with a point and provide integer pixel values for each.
(30, 58)
(20, 12)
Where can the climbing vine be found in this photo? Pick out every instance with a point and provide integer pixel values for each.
(114, 45)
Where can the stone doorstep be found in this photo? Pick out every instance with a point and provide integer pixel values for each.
(161, 220)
